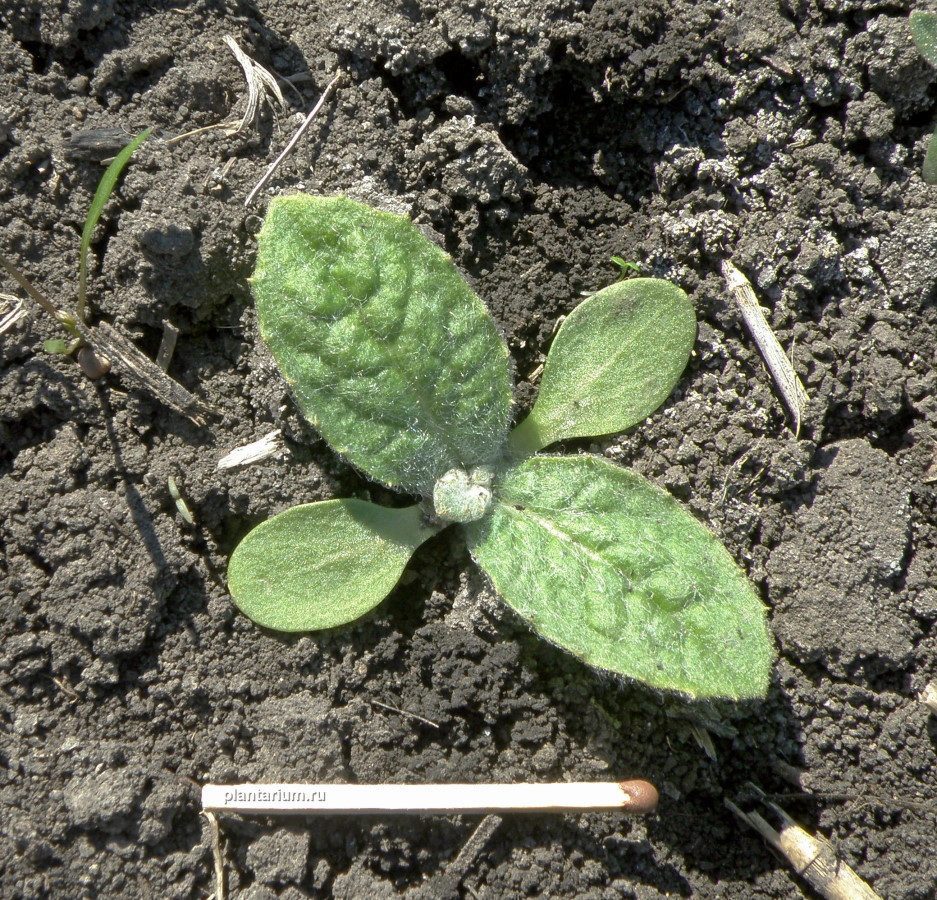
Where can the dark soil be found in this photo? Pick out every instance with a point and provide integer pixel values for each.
(537, 138)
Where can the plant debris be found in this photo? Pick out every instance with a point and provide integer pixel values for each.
(812, 857)
(789, 385)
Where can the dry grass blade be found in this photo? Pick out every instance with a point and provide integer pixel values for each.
(217, 854)
(789, 385)
(37, 295)
(259, 83)
(253, 452)
(9, 319)
(446, 883)
(167, 346)
(929, 696)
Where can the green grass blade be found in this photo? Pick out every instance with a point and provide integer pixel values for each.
(615, 359)
(611, 568)
(323, 564)
(101, 195)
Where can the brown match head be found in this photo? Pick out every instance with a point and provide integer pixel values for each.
(641, 796)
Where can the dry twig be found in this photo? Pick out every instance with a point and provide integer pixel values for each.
(404, 712)
(812, 857)
(102, 344)
(446, 883)
(112, 345)
(292, 141)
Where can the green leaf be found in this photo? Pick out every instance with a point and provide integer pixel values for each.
(323, 564)
(624, 266)
(929, 170)
(104, 190)
(388, 350)
(615, 359)
(613, 569)
(924, 32)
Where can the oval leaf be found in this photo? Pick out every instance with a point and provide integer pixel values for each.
(388, 350)
(615, 359)
(323, 564)
(613, 569)
(924, 32)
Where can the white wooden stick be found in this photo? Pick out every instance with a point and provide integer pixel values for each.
(635, 797)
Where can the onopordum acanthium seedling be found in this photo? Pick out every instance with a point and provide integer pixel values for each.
(402, 369)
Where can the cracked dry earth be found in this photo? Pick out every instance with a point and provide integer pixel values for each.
(535, 139)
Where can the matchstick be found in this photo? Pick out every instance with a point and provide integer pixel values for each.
(634, 797)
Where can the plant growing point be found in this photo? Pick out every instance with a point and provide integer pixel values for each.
(400, 366)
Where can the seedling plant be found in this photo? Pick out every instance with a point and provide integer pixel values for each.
(92, 364)
(399, 365)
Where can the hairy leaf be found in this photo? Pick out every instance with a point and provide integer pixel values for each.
(323, 564)
(924, 32)
(613, 569)
(388, 350)
(615, 359)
